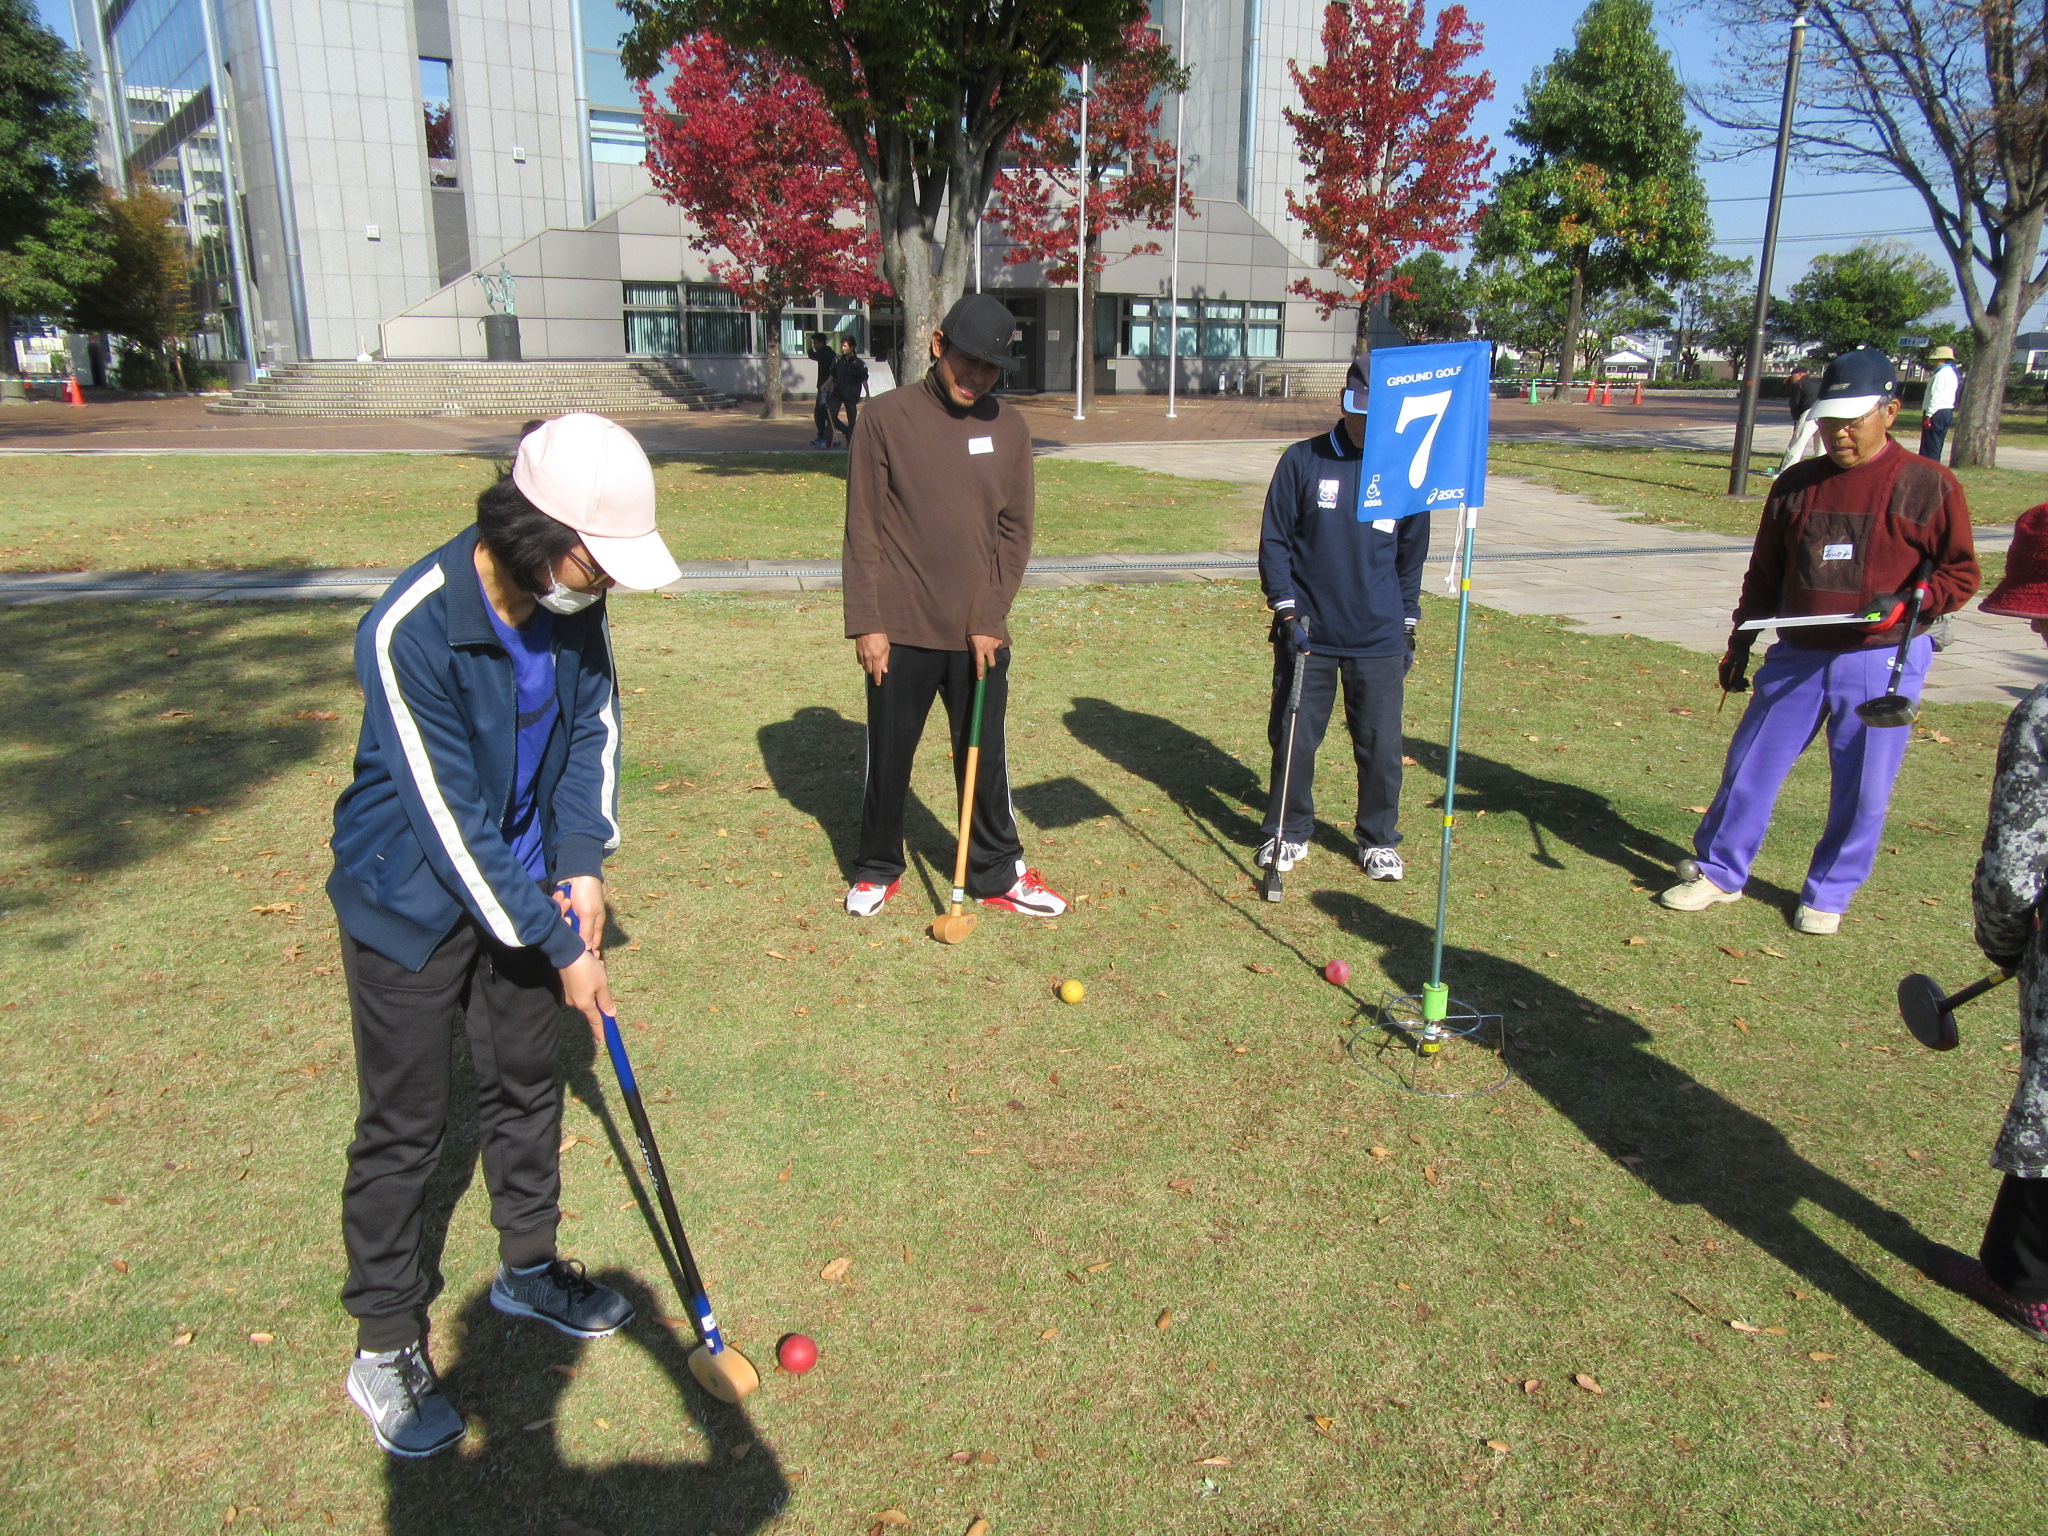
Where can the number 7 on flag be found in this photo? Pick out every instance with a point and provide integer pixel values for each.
(1414, 408)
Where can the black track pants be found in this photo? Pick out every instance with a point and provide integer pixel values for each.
(2015, 1248)
(897, 710)
(511, 1002)
(1373, 692)
(845, 413)
(821, 413)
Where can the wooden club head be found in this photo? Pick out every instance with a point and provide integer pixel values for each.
(727, 1375)
(953, 927)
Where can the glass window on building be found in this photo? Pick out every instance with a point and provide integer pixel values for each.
(1221, 329)
(714, 325)
(616, 138)
(654, 320)
(1262, 330)
(1208, 328)
(840, 317)
(437, 106)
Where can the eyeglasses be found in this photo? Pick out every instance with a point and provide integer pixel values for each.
(1841, 424)
(594, 580)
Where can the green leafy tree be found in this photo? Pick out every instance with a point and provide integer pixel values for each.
(1711, 312)
(1438, 304)
(1521, 303)
(145, 293)
(1868, 295)
(52, 234)
(1607, 190)
(927, 96)
(1613, 313)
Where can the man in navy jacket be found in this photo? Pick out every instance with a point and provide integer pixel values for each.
(1346, 597)
(486, 778)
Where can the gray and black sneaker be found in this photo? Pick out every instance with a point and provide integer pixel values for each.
(559, 1294)
(1381, 863)
(401, 1397)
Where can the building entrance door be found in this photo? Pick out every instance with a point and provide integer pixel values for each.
(1028, 309)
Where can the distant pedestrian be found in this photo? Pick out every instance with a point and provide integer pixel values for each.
(1346, 596)
(1802, 391)
(849, 384)
(818, 348)
(1938, 409)
(1836, 533)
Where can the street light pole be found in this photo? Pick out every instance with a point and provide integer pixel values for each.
(1745, 420)
(1081, 254)
(1180, 101)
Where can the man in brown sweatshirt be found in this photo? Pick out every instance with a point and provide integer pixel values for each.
(1837, 532)
(939, 499)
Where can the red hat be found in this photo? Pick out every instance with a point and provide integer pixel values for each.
(2023, 594)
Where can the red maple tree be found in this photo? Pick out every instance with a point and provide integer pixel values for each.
(1384, 132)
(1129, 175)
(747, 150)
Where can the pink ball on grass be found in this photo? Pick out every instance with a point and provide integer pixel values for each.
(1337, 972)
(796, 1353)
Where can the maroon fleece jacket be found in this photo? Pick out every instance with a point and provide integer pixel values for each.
(1831, 539)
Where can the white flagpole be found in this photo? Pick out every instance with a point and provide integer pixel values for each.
(1081, 253)
(1180, 101)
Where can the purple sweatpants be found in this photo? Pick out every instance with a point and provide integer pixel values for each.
(1796, 693)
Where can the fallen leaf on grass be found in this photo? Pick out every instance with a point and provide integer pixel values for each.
(1499, 1447)
(565, 1370)
(1324, 1425)
(1410, 762)
(1741, 1327)
(892, 1517)
(1431, 1175)
(740, 1451)
(1165, 1320)
(121, 1265)
(317, 714)
(536, 1426)
(1739, 1024)
(1582, 1380)
(1635, 939)
(1767, 950)
(1180, 1186)
(180, 1340)
(1260, 968)
(1690, 1303)
(1697, 810)
(1381, 1152)
(275, 908)
(262, 1338)
(1738, 981)
(1213, 1461)
(1050, 1333)
(1529, 1387)
(175, 714)
(1098, 1267)
(836, 1270)
(783, 1177)
(977, 1527)
(1820, 1355)
(603, 1423)
(1731, 953)
(960, 1458)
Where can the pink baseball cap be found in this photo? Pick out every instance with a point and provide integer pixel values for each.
(592, 475)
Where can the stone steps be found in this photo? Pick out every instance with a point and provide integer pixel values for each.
(458, 387)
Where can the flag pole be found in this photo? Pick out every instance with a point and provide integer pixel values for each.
(1435, 994)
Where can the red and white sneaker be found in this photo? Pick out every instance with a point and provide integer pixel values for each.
(1030, 895)
(864, 898)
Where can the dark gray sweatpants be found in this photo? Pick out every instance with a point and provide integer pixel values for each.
(510, 1002)
(1374, 687)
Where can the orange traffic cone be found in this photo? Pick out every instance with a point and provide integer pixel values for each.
(1607, 395)
(73, 395)
(1639, 393)
(1591, 388)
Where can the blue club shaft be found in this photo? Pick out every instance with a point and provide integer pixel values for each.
(1443, 871)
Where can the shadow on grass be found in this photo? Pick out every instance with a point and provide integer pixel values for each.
(757, 462)
(509, 1379)
(1691, 1146)
(816, 760)
(123, 727)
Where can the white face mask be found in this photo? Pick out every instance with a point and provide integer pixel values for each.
(566, 600)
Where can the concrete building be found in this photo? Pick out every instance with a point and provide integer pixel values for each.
(348, 168)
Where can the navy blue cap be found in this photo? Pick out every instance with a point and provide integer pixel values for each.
(1357, 385)
(1856, 384)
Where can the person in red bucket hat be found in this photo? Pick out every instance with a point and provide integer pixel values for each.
(2010, 1273)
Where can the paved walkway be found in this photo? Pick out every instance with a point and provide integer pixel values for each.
(1540, 551)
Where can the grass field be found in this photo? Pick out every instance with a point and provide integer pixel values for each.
(69, 514)
(1689, 487)
(1170, 1260)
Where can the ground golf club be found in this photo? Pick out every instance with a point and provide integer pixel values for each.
(1892, 708)
(1930, 1013)
(1270, 887)
(956, 925)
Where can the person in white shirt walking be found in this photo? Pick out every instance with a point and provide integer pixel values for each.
(1938, 410)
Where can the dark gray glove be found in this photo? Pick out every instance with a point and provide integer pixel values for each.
(1292, 629)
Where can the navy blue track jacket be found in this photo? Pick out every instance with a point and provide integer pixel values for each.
(1357, 584)
(418, 839)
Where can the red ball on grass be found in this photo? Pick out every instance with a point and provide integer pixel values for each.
(1337, 972)
(796, 1353)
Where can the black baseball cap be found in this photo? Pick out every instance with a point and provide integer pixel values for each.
(982, 326)
(1856, 384)
(1357, 385)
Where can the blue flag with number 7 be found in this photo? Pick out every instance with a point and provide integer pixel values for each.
(1425, 429)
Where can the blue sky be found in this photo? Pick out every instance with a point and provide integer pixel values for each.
(1831, 213)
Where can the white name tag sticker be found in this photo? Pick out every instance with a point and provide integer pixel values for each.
(1326, 493)
(1838, 552)
(1383, 525)
(981, 445)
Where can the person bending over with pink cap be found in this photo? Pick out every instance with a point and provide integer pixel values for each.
(486, 775)
(2010, 1273)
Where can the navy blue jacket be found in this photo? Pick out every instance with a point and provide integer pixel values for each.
(1358, 584)
(418, 836)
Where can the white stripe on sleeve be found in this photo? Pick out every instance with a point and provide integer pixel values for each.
(608, 760)
(422, 766)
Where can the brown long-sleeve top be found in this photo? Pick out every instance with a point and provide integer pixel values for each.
(939, 505)
(1832, 539)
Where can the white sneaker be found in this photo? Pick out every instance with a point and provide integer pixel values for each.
(1810, 920)
(1381, 864)
(1290, 854)
(1696, 895)
(864, 898)
(1030, 895)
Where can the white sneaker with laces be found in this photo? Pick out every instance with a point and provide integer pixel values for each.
(1290, 854)
(1381, 864)
(1696, 895)
(1812, 920)
(864, 898)
(1030, 895)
